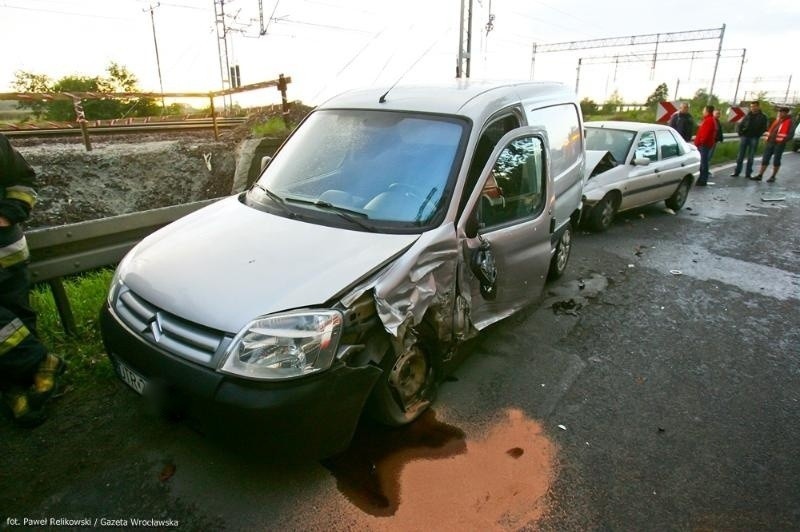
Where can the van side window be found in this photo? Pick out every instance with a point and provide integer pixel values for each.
(515, 189)
(486, 144)
(564, 135)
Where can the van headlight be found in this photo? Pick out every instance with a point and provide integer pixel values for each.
(284, 346)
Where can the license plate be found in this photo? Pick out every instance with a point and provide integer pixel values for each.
(131, 378)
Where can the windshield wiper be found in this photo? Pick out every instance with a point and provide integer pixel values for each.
(342, 212)
(277, 199)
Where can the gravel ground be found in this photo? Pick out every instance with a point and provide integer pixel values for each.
(125, 174)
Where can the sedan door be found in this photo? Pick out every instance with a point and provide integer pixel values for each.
(506, 229)
(641, 187)
(671, 165)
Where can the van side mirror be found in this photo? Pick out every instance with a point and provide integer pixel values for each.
(473, 225)
(265, 162)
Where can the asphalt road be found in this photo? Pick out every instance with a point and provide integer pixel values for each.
(655, 388)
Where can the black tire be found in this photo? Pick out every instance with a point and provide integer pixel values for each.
(405, 389)
(602, 214)
(558, 264)
(678, 198)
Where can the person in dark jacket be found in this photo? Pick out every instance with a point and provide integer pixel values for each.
(720, 134)
(778, 136)
(750, 129)
(28, 373)
(704, 140)
(682, 122)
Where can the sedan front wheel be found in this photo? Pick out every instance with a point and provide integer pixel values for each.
(602, 213)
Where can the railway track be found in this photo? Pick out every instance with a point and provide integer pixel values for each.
(149, 127)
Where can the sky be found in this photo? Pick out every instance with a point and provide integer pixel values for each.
(328, 46)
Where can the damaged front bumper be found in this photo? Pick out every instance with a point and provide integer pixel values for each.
(312, 416)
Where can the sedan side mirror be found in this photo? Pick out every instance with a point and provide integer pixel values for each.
(265, 162)
(640, 161)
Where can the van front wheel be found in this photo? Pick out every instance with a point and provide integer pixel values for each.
(406, 388)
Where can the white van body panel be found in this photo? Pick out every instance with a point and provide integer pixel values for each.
(254, 264)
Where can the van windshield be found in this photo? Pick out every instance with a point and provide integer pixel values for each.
(381, 167)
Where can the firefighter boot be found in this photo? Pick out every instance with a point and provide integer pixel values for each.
(45, 380)
(20, 410)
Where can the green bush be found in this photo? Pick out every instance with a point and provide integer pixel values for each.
(272, 127)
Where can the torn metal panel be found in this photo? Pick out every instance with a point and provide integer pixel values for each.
(422, 278)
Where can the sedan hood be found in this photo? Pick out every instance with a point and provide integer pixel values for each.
(228, 263)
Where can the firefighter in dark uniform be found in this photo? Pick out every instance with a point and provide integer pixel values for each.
(28, 374)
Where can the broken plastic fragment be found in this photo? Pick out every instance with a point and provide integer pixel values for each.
(669, 211)
(562, 427)
(773, 198)
(676, 272)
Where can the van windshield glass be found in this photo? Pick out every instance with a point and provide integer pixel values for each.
(389, 167)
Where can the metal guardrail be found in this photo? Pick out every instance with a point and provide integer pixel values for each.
(57, 252)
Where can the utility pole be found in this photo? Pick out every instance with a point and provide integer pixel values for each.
(786, 97)
(222, 49)
(464, 34)
(739, 79)
(716, 64)
(158, 61)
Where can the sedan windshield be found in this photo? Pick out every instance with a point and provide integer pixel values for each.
(376, 167)
(616, 141)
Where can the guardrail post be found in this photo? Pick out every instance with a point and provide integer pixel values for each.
(214, 117)
(63, 306)
(81, 118)
(284, 100)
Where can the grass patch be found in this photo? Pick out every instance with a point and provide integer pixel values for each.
(727, 151)
(84, 353)
(272, 127)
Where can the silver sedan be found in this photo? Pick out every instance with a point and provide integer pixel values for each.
(631, 164)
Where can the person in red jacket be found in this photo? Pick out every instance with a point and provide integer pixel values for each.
(778, 135)
(705, 139)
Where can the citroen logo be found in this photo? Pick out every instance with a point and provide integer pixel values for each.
(155, 327)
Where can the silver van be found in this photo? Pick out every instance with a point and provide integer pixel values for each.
(390, 227)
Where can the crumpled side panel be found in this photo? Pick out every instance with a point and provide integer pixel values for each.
(421, 278)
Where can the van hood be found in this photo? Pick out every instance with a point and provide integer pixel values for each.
(227, 263)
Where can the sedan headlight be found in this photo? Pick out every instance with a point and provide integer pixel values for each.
(284, 346)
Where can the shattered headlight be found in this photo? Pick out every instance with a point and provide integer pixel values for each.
(284, 346)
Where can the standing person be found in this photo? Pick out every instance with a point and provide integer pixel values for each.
(778, 135)
(720, 135)
(704, 140)
(750, 130)
(28, 373)
(682, 122)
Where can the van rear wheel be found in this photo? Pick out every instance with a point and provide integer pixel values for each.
(678, 198)
(558, 264)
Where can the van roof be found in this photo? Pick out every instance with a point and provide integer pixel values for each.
(462, 97)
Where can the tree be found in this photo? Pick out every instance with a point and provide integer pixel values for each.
(588, 107)
(118, 79)
(613, 103)
(29, 82)
(661, 94)
(700, 100)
